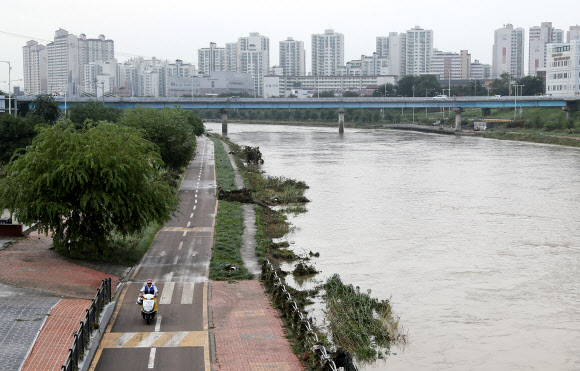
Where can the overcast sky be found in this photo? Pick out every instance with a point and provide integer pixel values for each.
(177, 29)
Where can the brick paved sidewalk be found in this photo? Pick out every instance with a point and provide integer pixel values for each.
(29, 263)
(51, 347)
(249, 335)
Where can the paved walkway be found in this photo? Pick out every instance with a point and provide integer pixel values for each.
(249, 335)
(36, 322)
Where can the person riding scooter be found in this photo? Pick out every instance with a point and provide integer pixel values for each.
(148, 288)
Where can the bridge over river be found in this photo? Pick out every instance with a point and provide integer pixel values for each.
(568, 103)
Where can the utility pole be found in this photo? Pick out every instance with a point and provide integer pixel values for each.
(413, 107)
(9, 88)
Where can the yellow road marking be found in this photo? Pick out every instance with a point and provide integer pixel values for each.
(191, 339)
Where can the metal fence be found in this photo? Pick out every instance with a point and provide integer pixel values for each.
(83, 335)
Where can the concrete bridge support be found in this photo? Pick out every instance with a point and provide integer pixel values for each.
(485, 112)
(340, 121)
(224, 113)
(571, 107)
(457, 118)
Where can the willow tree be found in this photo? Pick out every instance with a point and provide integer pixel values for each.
(83, 185)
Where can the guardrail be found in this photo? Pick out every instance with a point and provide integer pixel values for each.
(83, 335)
(302, 325)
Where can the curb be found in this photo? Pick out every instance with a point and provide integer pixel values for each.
(96, 336)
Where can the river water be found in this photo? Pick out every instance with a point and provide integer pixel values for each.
(475, 241)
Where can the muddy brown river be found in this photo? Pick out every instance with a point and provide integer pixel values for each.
(476, 242)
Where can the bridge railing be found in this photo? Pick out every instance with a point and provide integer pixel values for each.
(83, 335)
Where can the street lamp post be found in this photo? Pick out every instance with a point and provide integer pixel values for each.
(516, 98)
(9, 89)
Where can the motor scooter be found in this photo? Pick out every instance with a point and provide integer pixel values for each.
(148, 307)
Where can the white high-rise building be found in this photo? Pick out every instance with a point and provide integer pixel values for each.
(292, 57)
(35, 73)
(253, 56)
(63, 63)
(508, 52)
(539, 38)
(327, 53)
(94, 50)
(419, 50)
(211, 59)
(573, 33)
(563, 68)
(383, 47)
(397, 53)
(451, 66)
(232, 57)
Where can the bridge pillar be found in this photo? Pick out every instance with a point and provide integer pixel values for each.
(457, 118)
(340, 121)
(570, 108)
(224, 121)
(485, 111)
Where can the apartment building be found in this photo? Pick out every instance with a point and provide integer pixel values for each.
(292, 57)
(418, 51)
(480, 71)
(211, 59)
(327, 53)
(508, 52)
(63, 63)
(253, 57)
(35, 71)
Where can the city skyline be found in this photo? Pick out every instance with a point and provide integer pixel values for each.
(191, 27)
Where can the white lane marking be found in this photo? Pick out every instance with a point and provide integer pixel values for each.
(196, 200)
(194, 207)
(188, 224)
(184, 233)
(176, 339)
(176, 259)
(158, 324)
(125, 338)
(194, 253)
(180, 245)
(167, 293)
(163, 253)
(191, 216)
(197, 190)
(151, 358)
(149, 340)
(187, 295)
(195, 194)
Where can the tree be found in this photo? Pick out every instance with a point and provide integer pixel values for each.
(347, 94)
(169, 129)
(45, 107)
(405, 86)
(502, 85)
(15, 133)
(532, 85)
(84, 185)
(94, 111)
(386, 90)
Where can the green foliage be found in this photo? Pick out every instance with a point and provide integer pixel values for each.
(348, 94)
(83, 186)
(223, 167)
(170, 129)
(386, 90)
(227, 244)
(324, 94)
(423, 85)
(359, 323)
(15, 133)
(532, 85)
(93, 110)
(252, 155)
(502, 86)
(45, 107)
